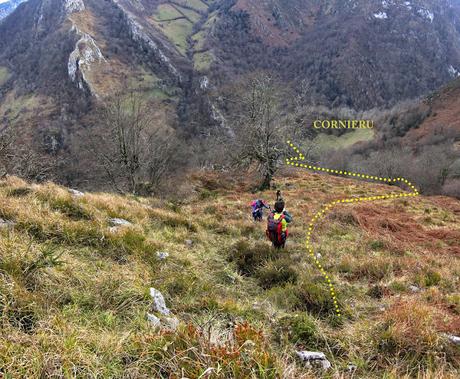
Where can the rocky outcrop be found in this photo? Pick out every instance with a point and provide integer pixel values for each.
(313, 358)
(71, 6)
(86, 53)
(139, 34)
(160, 316)
(119, 222)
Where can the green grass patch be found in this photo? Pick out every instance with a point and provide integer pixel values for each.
(190, 14)
(195, 4)
(4, 75)
(177, 31)
(329, 142)
(203, 61)
(166, 12)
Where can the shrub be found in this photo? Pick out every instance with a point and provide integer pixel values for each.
(276, 273)
(249, 258)
(300, 329)
(19, 192)
(374, 269)
(376, 245)
(376, 292)
(313, 296)
(66, 205)
(409, 334)
(428, 278)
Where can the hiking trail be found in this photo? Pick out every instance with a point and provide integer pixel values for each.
(299, 161)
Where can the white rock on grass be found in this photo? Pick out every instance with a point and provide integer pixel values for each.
(159, 304)
(171, 323)
(454, 339)
(351, 367)
(6, 224)
(154, 320)
(162, 255)
(76, 193)
(314, 358)
(414, 289)
(119, 222)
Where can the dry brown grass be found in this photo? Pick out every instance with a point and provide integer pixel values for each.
(74, 295)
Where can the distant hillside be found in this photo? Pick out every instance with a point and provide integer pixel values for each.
(60, 60)
(8, 6)
(356, 53)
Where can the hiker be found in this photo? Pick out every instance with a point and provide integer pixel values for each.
(277, 223)
(258, 209)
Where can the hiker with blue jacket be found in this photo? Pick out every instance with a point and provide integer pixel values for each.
(258, 207)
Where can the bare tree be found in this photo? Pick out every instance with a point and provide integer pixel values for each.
(19, 157)
(260, 134)
(128, 143)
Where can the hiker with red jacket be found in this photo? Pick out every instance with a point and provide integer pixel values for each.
(277, 224)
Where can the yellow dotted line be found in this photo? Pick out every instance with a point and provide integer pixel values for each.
(327, 207)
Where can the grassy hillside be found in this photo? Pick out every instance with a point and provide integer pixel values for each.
(74, 290)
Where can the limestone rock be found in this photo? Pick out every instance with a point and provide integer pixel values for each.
(119, 222)
(454, 339)
(313, 358)
(414, 289)
(72, 6)
(159, 304)
(162, 255)
(76, 193)
(6, 224)
(154, 320)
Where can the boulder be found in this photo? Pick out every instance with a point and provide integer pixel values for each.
(119, 222)
(162, 255)
(6, 224)
(159, 304)
(414, 289)
(313, 358)
(75, 193)
(189, 243)
(163, 318)
(454, 339)
(154, 320)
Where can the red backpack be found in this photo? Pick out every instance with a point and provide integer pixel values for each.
(275, 228)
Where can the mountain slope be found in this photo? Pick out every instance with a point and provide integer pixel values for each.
(8, 6)
(74, 288)
(60, 60)
(356, 53)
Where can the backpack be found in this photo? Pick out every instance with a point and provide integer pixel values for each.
(275, 228)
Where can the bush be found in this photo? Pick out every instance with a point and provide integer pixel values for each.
(249, 258)
(428, 278)
(66, 205)
(276, 273)
(376, 245)
(313, 296)
(19, 192)
(409, 334)
(300, 329)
